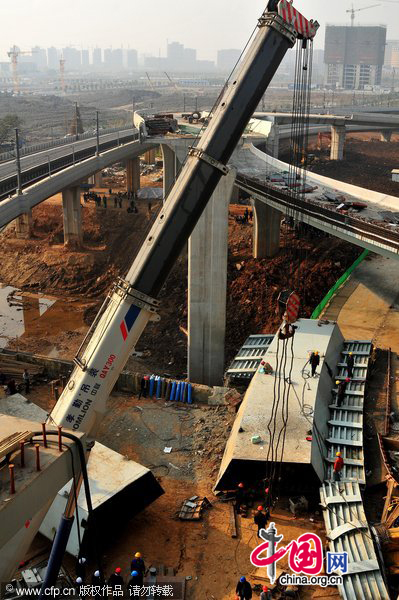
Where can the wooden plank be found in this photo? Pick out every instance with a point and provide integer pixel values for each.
(390, 487)
(233, 522)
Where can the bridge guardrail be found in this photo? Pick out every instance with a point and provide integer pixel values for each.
(370, 231)
(60, 142)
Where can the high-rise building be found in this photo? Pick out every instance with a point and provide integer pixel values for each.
(97, 57)
(108, 57)
(354, 56)
(392, 54)
(117, 58)
(226, 59)
(39, 57)
(72, 58)
(131, 59)
(52, 58)
(175, 56)
(85, 58)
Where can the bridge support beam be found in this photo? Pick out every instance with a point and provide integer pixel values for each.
(149, 156)
(337, 142)
(23, 225)
(266, 229)
(72, 213)
(133, 174)
(273, 141)
(386, 135)
(207, 281)
(169, 168)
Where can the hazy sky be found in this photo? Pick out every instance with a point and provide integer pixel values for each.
(207, 25)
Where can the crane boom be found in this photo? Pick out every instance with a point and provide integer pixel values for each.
(353, 10)
(131, 302)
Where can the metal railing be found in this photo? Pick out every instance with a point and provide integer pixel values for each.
(10, 155)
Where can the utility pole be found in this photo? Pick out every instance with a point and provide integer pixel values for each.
(18, 161)
(196, 103)
(97, 136)
(184, 102)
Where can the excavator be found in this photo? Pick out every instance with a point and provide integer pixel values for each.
(132, 301)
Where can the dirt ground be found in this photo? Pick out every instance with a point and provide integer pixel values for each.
(203, 551)
(112, 238)
(368, 161)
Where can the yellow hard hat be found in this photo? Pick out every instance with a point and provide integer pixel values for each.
(137, 555)
(338, 454)
(337, 382)
(350, 353)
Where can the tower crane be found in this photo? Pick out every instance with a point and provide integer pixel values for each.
(13, 54)
(353, 10)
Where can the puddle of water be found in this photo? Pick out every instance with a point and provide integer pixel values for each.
(37, 320)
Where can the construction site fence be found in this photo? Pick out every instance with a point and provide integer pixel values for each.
(321, 306)
(60, 142)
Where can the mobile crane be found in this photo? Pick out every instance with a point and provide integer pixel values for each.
(132, 301)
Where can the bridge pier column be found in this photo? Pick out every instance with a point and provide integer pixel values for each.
(133, 174)
(386, 135)
(337, 142)
(169, 168)
(266, 229)
(23, 225)
(149, 156)
(207, 281)
(273, 141)
(72, 213)
(96, 179)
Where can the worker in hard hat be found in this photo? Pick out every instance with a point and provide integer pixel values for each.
(261, 518)
(341, 390)
(240, 496)
(138, 564)
(116, 579)
(265, 593)
(314, 362)
(350, 363)
(97, 580)
(78, 584)
(136, 579)
(338, 466)
(80, 568)
(244, 589)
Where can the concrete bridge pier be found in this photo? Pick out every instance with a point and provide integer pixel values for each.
(386, 135)
(273, 141)
(207, 281)
(338, 133)
(266, 229)
(72, 214)
(169, 168)
(24, 225)
(133, 174)
(96, 179)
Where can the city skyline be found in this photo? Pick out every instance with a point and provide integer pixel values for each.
(216, 26)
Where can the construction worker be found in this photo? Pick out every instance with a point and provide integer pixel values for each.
(26, 378)
(265, 593)
(97, 579)
(243, 589)
(338, 466)
(350, 363)
(261, 519)
(137, 564)
(314, 361)
(135, 579)
(116, 578)
(240, 495)
(341, 389)
(81, 568)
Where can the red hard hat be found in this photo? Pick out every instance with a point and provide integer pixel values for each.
(265, 588)
(260, 507)
(118, 570)
(267, 490)
(347, 379)
(240, 485)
